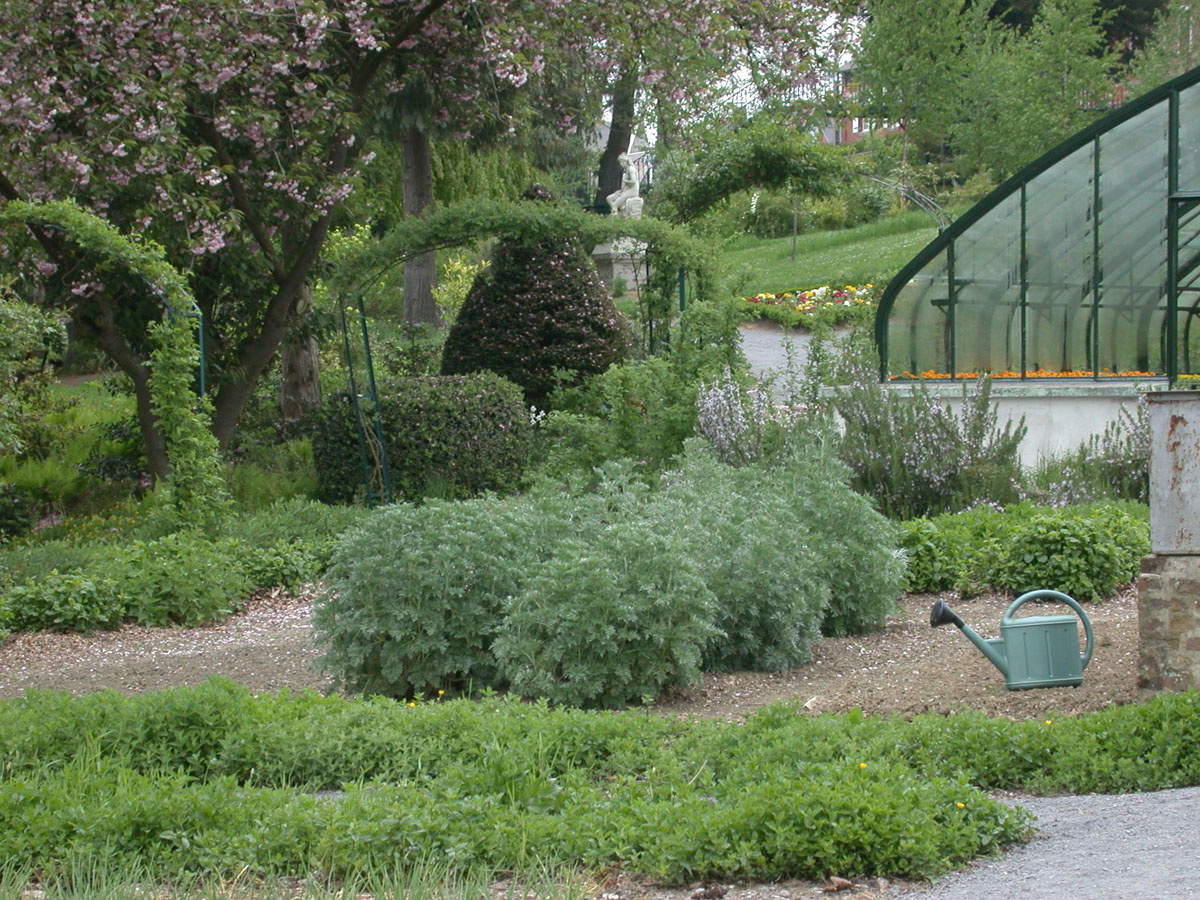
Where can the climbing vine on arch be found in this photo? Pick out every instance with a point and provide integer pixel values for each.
(195, 478)
(669, 248)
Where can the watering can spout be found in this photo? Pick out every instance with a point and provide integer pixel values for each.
(942, 614)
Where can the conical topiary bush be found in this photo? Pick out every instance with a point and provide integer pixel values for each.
(539, 317)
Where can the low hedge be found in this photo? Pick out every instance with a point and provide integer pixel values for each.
(446, 436)
(1083, 551)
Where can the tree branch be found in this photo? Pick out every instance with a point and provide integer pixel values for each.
(237, 188)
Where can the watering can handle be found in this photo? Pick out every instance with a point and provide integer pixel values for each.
(1061, 598)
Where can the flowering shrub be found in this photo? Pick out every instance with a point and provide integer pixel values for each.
(824, 305)
(916, 457)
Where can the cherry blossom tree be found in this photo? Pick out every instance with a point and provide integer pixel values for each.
(228, 131)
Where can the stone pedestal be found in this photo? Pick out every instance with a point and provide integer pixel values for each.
(1169, 622)
(621, 259)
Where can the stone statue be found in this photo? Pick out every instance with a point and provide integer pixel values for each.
(625, 201)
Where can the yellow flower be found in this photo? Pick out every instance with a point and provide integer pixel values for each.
(440, 692)
(862, 765)
(1049, 721)
(412, 702)
(961, 805)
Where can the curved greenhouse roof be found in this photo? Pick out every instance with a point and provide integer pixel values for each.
(1084, 264)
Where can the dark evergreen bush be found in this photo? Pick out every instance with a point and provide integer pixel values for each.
(450, 436)
(539, 317)
(16, 512)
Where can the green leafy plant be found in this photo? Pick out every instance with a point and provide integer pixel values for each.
(456, 436)
(1084, 551)
(1084, 557)
(66, 601)
(608, 622)
(16, 512)
(183, 578)
(413, 597)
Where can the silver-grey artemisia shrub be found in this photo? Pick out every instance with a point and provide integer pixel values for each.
(539, 317)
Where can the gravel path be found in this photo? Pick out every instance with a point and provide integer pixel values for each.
(1127, 846)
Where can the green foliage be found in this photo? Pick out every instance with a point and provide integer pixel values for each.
(1084, 552)
(455, 277)
(216, 782)
(28, 335)
(413, 597)
(456, 436)
(539, 317)
(762, 154)
(1083, 557)
(16, 512)
(196, 481)
(66, 601)
(610, 621)
(644, 409)
(608, 594)
(182, 578)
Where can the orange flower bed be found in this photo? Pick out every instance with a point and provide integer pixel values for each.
(932, 374)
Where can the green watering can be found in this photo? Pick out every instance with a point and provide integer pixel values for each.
(1034, 651)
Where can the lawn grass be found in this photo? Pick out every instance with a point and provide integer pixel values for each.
(869, 253)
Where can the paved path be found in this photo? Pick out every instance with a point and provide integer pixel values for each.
(1092, 847)
(763, 343)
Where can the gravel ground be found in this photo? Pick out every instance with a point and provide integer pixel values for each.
(1129, 846)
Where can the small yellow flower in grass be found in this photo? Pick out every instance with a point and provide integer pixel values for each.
(961, 805)
(440, 692)
(862, 765)
(1049, 721)
(412, 702)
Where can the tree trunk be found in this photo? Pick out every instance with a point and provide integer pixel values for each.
(103, 330)
(420, 272)
(619, 133)
(299, 369)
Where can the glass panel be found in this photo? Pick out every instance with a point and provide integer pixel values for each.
(987, 311)
(918, 327)
(1188, 274)
(1189, 138)
(1059, 266)
(1133, 243)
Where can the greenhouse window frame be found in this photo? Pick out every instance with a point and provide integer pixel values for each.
(1134, 275)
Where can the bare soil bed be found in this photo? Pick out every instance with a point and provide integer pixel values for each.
(906, 669)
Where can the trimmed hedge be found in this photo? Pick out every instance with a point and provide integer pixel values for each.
(448, 436)
(539, 316)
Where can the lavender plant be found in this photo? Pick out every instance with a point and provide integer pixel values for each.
(1114, 465)
(914, 455)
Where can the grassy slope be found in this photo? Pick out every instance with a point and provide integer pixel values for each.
(868, 253)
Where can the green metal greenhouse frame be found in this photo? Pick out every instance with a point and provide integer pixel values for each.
(1085, 264)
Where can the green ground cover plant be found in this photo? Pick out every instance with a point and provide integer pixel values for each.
(146, 569)
(211, 781)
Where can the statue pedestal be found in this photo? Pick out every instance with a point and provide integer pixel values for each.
(624, 259)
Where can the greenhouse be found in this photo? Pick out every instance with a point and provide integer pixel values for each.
(1084, 265)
